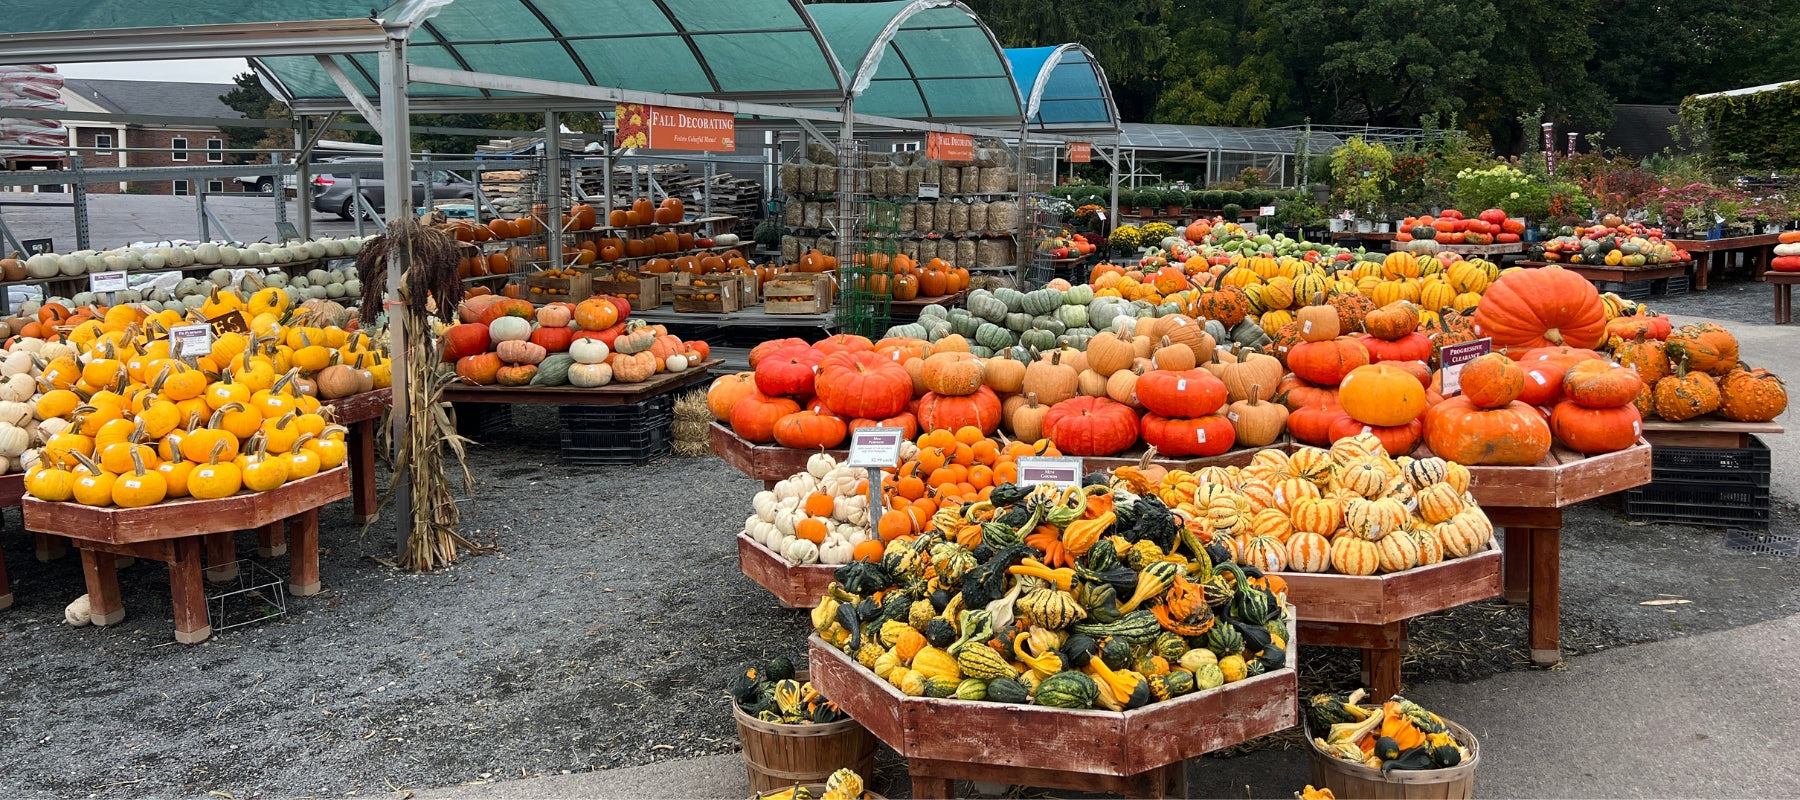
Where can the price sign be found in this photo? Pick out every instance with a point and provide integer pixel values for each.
(1454, 356)
(1063, 472)
(1081, 152)
(109, 281)
(1266, 211)
(191, 341)
(38, 247)
(928, 191)
(875, 448)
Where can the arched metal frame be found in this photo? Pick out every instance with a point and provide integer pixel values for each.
(890, 41)
(1057, 58)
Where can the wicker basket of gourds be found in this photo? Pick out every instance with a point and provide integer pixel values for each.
(1422, 756)
(781, 755)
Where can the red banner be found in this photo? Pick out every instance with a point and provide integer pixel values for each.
(949, 146)
(1080, 152)
(659, 128)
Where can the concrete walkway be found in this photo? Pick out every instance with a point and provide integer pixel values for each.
(1708, 716)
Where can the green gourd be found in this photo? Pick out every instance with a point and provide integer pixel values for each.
(1068, 689)
(1008, 690)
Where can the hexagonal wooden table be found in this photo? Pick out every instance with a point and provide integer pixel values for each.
(1136, 753)
(1528, 502)
(177, 532)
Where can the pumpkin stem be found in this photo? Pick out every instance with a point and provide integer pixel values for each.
(137, 458)
(1255, 394)
(217, 450)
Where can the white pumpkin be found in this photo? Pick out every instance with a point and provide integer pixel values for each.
(51, 427)
(52, 351)
(849, 509)
(786, 519)
(764, 505)
(676, 363)
(13, 440)
(854, 534)
(800, 551)
(17, 388)
(588, 351)
(43, 265)
(17, 362)
(509, 329)
(207, 253)
(835, 550)
(13, 412)
(764, 533)
(588, 376)
(726, 240)
(71, 265)
(820, 464)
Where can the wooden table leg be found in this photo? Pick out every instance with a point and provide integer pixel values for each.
(303, 557)
(931, 787)
(1516, 566)
(1702, 263)
(271, 539)
(187, 589)
(6, 598)
(1175, 780)
(221, 557)
(1546, 596)
(1784, 298)
(1381, 665)
(363, 499)
(103, 587)
(51, 547)
(1150, 784)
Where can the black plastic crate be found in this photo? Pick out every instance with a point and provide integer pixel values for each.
(482, 420)
(1703, 505)
(1712, 466)
(620, 446)
(1673, 287)
(647, 412)
(1635, 290)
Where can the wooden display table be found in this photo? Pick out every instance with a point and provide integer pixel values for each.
(12, 491)
(1370, 612)
(1483, 249)
(612, 394)
(1136, 753)
(1783, 282)
(1714, 253)
(176, 533)
(1707, 431)
(908, 310)
(794, 585)
(361, 413)
(1528, 502)
(1600, 272)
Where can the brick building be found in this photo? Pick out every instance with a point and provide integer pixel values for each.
(97, 142)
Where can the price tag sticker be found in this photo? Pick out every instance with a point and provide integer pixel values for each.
(191, 341)
(1454, 356)
(875, 448)
(109, 281)
(928, 191)
(1062, 472)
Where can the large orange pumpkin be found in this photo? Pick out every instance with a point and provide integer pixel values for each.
(726, 391)
(1327, 363)
(943, 412)
(1596, 430)
(754, 416)
(1381, 395)
(481, 368)
(810, 430)
(1541, 307)
(1091, 426)
(1512, 435)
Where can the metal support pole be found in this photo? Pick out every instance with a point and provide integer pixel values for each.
(277, 187)
(706, 207)
(1112, 208)
(78, 193)
(553, 183)
(846, 184)
(356, 202)
(200, 210)
(303, 182)
(396, 161)
(606, 170)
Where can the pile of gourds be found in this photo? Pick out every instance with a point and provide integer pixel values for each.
(123, 422)
(1090, 597)
(843, 784)
(1398, 734)
(817, 516)
(510, 342)
(773, 694)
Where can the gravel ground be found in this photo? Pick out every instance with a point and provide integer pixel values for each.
(1735, 300)
(595, 636)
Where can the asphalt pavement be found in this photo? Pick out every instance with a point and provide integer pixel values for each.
(115, 220)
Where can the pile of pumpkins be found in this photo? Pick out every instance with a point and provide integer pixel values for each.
(46, 266)
(819, 515)
(121, 422)
(509, 342)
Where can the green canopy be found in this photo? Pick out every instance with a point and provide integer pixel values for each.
(929, 60)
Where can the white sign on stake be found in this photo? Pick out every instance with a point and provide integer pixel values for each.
(875, 448)
(191, 341)
(1267, 211)
(1454, 356)
(1062, 472)
(928, 191)
(109, 281)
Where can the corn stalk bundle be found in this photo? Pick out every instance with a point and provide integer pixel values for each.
(429, 288)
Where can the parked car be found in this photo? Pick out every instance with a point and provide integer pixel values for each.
(333, 189)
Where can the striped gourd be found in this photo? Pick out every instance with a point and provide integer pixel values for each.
(1228, 512)
(1272, 321)
(1423, 472)
(1052, 608)
(1398, 489)
(1373, 519)
(1439, 502)
(1216, 475)
(1353, 448)
(1364, 476)
(934, 663)
(1431, 551)
(1292, 490)
(1265, 553)
(1397, 552)
(1462, 535)
(1308, 552)
(1311, 464)
(1317, 515)
(1457, 476)
(1279, 294)
(1437, 295)
(1272, 523)
(1260, 494)
(1274, 460)
(1309, 284)
(1354, 555)
(984, 663)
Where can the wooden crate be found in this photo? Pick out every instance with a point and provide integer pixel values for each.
(706, 294)
(643, 291)
(564, 286)
(795, 585)
(798, 294)
(1053, 747)
(1396, 596)
(749, 287)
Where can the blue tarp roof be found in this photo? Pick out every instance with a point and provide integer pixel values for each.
(1065, 89)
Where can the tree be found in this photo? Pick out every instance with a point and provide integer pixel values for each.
(1224, 66)
(1649, 51)
(254, 102)
(1385, 62)
(1538, 61)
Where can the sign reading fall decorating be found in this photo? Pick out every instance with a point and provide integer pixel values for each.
(949, 146)
(1080, 152)
(660, 128)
